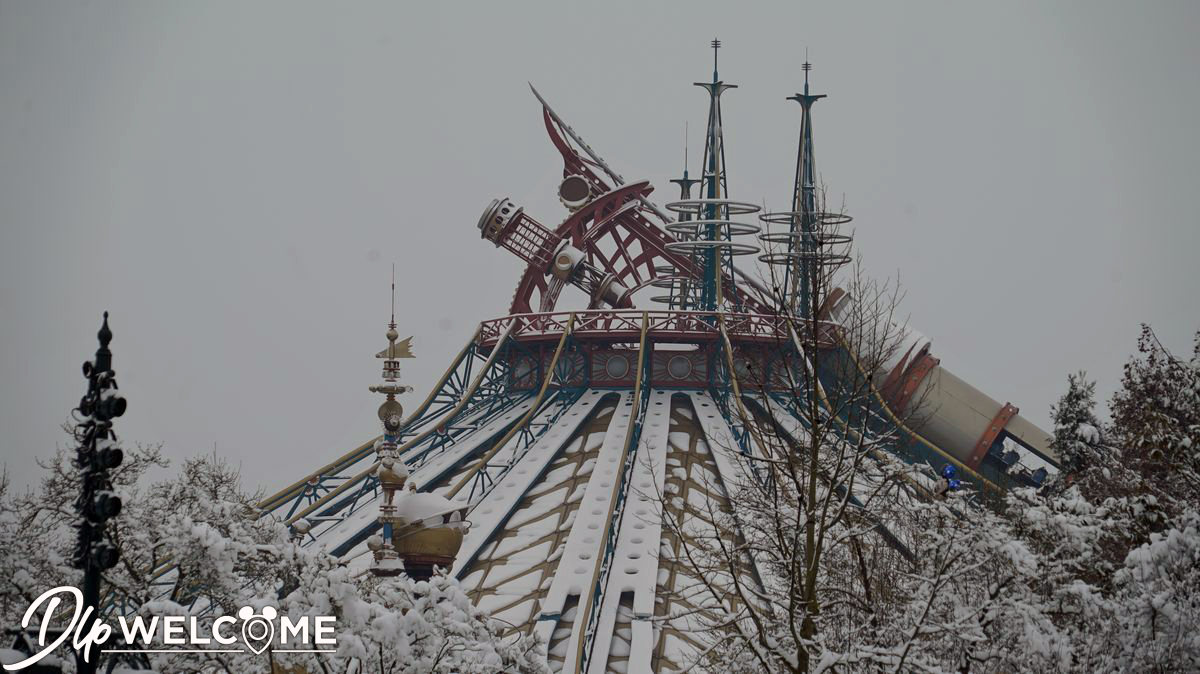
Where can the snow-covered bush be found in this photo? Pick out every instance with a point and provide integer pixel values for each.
(197, 545)
(1097, 572)
(1077, 438)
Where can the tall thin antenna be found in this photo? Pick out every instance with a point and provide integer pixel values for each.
(393, 323)
(806, 67)
(716, 44)
(685, 147)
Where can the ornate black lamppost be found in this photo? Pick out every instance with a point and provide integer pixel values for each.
(96, 504)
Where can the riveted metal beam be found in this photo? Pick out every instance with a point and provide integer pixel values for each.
(990, 434)
(913, 377)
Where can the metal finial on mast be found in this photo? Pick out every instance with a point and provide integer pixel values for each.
(105, 335)
(393, 321)
(685, 183)
(716, 44)
(685, 148)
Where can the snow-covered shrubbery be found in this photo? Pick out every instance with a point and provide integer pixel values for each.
(196, 545)
(1099, 571)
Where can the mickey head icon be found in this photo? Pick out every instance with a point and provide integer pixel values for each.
(258, 630)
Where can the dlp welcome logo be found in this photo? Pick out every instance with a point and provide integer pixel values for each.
(186, 634)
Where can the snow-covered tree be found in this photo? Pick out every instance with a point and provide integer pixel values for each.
(196, 544)
(1099, 571)
(794, 561)
(1156, 419)
(1076, 430)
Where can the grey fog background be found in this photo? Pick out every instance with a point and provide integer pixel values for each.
(233, 181)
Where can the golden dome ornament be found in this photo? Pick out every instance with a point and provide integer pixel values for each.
(428, 531)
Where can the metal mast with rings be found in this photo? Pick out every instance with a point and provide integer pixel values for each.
(813, 245)
(704, 229)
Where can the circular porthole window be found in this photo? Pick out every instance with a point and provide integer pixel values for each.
(616, 367)
(741, 368)
(574, 191)
(679, 367)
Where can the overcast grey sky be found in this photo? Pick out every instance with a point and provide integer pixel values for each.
(233, 181)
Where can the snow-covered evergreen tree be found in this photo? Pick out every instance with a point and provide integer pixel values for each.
(1076, 430)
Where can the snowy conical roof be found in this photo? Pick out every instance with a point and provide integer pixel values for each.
(586, 447)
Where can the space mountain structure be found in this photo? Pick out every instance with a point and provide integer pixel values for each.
(618, 373)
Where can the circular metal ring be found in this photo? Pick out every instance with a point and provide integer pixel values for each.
(780, 217)
(694, 206)
(668, 299)
(668, 277)
(834, 218)
(788, 217)
(822, 259)
(666, 281)
(691, 227)
(819, 238)
(685, 228)
(732, 247)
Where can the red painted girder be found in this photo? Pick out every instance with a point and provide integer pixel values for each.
(913, 377)
(990, 433)
(572, 162)
(652, 237)
(892, 382)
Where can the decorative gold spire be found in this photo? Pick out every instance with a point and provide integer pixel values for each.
(419, 531)
(390, 470)
(391, 412)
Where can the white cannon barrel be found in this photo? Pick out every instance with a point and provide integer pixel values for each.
(956, 416)
(948, 411)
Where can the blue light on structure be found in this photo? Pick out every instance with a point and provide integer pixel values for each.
(948, 472)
